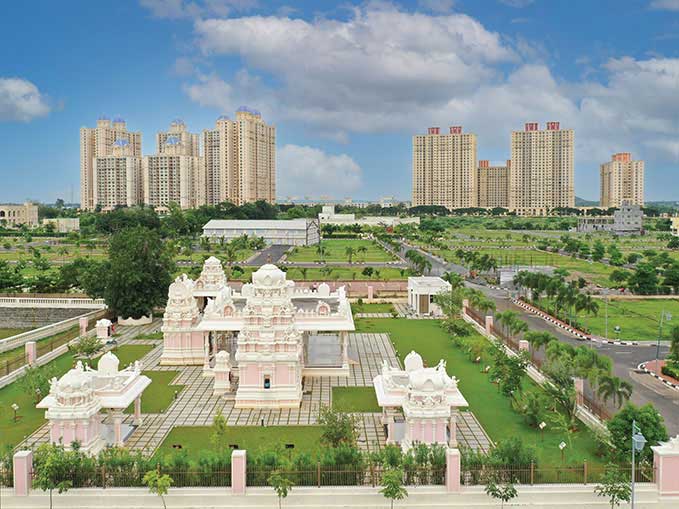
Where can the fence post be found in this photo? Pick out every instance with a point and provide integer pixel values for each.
(103, 476)
(23, 473)
(238, 472)
(318, 474)
(666, 465)
(532, 473)
(453, 468)
(585, 471)
(31, 352)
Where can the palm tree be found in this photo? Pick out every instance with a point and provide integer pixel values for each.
(362, 250)
(455, 280)
(303, 271)
(539, 339)
(612, 387)
(350, 252)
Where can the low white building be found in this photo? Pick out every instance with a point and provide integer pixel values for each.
(63, 224)
(421, 292)
(328, 216)
(291, 232)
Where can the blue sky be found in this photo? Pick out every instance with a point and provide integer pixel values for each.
(346, 83)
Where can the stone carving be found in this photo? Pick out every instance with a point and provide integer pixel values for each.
(212, 276)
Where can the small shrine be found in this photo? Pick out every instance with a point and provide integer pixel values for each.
(77, 403)
(427, 398)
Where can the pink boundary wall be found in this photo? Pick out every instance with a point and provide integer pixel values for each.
(667, 467)
(238, 471)
(453, 467)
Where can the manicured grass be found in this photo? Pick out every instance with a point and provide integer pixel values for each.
(7, 333)
(329, 274)
(638, 319)
(31, 418)
(491, 408)
(160, 394)
(152, 335)
(194, 439)
(58, 340)
(335, 251)
(355, 399)
(376, 307)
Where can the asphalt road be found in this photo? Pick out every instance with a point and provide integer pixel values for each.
(270, 254)
(625, 358)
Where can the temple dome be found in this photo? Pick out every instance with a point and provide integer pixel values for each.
(269, 275)
(108, 364)
(121, 143)
(119, 120)
(413, 361)
(427, 380)
(73, 381)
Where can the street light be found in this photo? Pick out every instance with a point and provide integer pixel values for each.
(638, 442)
(15, 407)
(667, 317)
(562, 447)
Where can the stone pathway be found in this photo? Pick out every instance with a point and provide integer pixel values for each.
(196, 406)
(372, 315)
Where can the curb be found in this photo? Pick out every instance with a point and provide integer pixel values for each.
(643, 368)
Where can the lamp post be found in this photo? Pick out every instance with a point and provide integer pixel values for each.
(666, 317)
(638, 442)
(15, 407)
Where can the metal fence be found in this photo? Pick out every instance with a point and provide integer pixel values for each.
(481, 320)
(42, 348)
(596, 408)
(472, 475)
(13, 364)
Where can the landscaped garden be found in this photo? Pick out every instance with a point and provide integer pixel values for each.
(341, 250)
(372, 307)
(355, 399)
(160, 394)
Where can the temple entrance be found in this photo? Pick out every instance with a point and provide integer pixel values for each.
(222, 340)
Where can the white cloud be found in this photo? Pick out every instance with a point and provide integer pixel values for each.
(174, 9)
(665, 5)
(308, 171)
(440, 6)
(21, 100)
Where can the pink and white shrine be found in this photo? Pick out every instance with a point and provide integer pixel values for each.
(428, 399)
(76, 401)
(263, 339)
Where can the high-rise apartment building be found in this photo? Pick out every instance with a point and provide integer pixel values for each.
(189, 142)
(173, 176)
(116, 177)
(444, 168)
(541, 176)
(622, 179)
(240, 159)
(98, 142)
(493, 185)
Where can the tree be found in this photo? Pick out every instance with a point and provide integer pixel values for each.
(599, 251)
(158, 484)
(649, 421)
(392, 485)
(674, 344)
(338, 428)
(36, 381)
(538, 339)
(218, 432)
(613, 388)
(350, 252)
(86, 346)
(52, 469)
(503, 492)
(614, 485)
(644, 281)
(671, 277)
(139, 272)
(281, 485)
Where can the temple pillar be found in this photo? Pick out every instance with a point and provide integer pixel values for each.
(238, 472)
(137, 412)
(117, 428)
(23, 470)
(453, 430)
(206, 351)
(345, 348)
(453, 468)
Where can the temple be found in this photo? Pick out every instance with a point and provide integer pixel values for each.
(263, 340)
(75, 402)
(428, 399)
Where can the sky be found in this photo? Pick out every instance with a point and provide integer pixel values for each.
(347, 83)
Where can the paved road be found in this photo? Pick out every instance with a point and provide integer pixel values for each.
(625, 358)
(270, 254)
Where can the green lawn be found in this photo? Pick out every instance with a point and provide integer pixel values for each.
(335, 251)
(7, 333)
(58, 339)
(160, 394)
(355, 399)
(638, 319)
(377, 307)
(194, 439)
(12, 433)
(152, 335)
(491, 408)
(327, 274)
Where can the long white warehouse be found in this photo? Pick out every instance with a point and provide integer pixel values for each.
(291, 232)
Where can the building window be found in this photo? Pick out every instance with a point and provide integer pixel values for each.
(267, 382)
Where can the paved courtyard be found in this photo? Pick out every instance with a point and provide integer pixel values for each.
(196, 406)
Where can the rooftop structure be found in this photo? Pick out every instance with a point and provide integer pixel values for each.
(16, 215)
(328, 216)
(421, 292)
(628, 220)
(428, 397)
(292, 232)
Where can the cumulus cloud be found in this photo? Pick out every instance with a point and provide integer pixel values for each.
(665, 5)
(21, 100)
(308, 171)
(440, 6)
(174, 9)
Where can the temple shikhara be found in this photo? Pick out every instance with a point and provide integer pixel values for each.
(260, 341)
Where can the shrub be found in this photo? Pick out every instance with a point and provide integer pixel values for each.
(671, 370)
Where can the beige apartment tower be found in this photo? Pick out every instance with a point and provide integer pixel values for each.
(622, 179)
(188, 142)
(541, 176)
(493, 185)
(116, 178)
(173, 175)
(240, 159)
(98, 142)
(444, 169)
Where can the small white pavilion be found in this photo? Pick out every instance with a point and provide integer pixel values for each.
(421, 292)
(75, 403)
(428, 398)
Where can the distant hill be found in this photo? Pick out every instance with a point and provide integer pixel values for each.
(581, 202)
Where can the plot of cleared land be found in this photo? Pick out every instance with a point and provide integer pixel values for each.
(637, 319)
(335, 251)
(354, 399)
(194, 439)
(491, 408)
